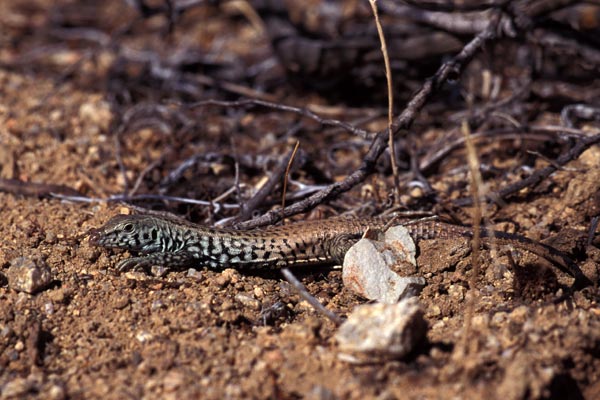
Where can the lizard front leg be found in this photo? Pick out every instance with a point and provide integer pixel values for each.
(170, 260)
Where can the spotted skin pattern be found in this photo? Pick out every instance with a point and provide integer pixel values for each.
(171, 242)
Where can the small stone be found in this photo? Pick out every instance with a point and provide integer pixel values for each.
(435, 311)
(248, 301)
(60, 295)
(258, 293)
(233, 274)
(158, 271)
(416, 192)
(368, 264)
(56, 392)
(55, 115)
(96, 113)
(195, 274)
(28, 275)
(51, 238)
(125, 211)
(173, 380)
(519, 314)
(49, 308)
(457, 291)
(222, 280)
(382, 331)
(227, 305)
(5, 332)
(144, 336)
(227, 276)
(18, 387)
(121, 302)
(157, 305)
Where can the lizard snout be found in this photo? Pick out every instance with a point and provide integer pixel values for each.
(94, 236)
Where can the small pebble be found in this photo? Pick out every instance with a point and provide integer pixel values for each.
(51, 238)
(157, 305)
(258, 292)
(28, 275)
(227, 305)
(17, 388)
(144, 336)
(56, 392)
(195, 274)
(173, 380)
(49, 308)
(248, 301)
(231, 274)
(223, 279)
(60, 295)
(19, 346)
(6, 332)
(158, 271)
(121, 302)
(96, 113)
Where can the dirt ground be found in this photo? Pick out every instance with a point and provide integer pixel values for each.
(95, 333)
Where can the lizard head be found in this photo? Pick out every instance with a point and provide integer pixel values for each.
(131, 232)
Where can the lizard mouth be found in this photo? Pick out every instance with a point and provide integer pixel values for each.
(94, 237)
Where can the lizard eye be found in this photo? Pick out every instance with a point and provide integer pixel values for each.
(128, 228)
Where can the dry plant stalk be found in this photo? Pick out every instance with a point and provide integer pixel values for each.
(476, 193)
(246, 9)
(388, 76)
(287, 173)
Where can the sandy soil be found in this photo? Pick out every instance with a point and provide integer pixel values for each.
(95, 333)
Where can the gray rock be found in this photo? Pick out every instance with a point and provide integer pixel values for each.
(382, 331)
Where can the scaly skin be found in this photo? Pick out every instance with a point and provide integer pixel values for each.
(172, 242)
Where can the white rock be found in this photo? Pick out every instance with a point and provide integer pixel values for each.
(368, 272)
(399, 238)
(382, 331)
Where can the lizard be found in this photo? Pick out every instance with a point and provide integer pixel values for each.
(173, 242)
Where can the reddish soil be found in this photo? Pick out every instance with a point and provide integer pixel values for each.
(95, 333)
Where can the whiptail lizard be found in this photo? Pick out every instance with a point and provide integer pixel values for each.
(172, 242)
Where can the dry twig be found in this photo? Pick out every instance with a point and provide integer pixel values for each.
(320, 308)
(538, 176)
(403, 122)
